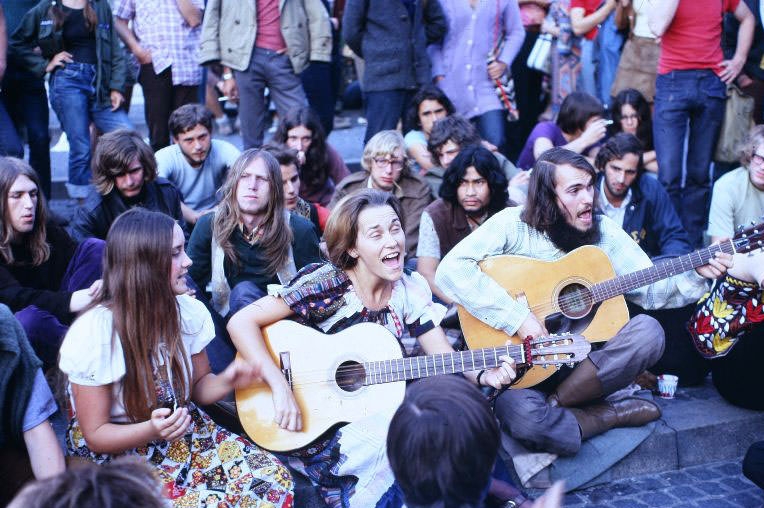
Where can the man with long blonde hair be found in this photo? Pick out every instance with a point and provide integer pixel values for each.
(251, 240)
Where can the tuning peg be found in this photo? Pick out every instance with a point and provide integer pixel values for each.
(740, 228)
(571, 364)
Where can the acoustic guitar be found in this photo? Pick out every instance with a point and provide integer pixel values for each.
(580, 293)
(361, 371)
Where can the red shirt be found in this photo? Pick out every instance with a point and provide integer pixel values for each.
(269, 26)
(589, 6)
(693, 39)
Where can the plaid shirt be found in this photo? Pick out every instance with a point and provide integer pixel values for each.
(460, 278)
(160, 28)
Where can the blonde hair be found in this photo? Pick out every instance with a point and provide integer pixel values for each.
(384, 143)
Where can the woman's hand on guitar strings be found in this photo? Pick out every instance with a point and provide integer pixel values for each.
(716, 267)
(502, 375)
(241, 374)
(286, 411)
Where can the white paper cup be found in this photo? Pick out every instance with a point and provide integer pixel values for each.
(667, 385)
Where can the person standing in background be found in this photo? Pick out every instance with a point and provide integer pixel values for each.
(164, 39)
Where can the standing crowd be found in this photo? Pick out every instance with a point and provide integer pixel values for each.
(493, 127)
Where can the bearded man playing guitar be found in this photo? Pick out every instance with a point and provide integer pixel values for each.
(559, 217)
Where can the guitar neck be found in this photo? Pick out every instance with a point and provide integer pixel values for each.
(662, 270)
(415, 367)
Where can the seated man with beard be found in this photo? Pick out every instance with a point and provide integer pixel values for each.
(559, 217)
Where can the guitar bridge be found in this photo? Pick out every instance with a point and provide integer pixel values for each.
(286, 367)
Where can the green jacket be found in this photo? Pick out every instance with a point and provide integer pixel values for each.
(37, 30)
(230, 27)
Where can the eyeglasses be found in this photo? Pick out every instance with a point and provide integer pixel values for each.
(393, 163)
(757, 159)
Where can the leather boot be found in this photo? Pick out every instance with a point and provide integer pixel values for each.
(581, 386)
(627, 412)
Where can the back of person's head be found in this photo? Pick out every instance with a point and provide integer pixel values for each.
(442, 443)
(635, 99)
(576, 109)
(123, 483)
(454, 128)
(616, 148)
(426, 93)
(189, 116)
(114, 154)
(11, 169)
(754, 140)
(486, 165)
(341, 229)
(383, 144)
(284, 155)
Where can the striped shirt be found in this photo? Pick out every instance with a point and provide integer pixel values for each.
(460, 278)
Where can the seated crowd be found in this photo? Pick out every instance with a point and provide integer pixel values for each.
(126, 331)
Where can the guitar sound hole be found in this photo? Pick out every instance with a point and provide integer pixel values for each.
(350, 376)
(575, 300)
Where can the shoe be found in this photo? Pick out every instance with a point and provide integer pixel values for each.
(627, 412)
(580, 387)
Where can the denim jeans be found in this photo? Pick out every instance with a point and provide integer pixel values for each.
(609, 43)
(27, 103)
(73, 98)
(384, 109)
(588, 81)
(10, 143)
(693, 98)
(490, 125)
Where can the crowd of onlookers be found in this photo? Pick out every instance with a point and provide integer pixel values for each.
(461, 99)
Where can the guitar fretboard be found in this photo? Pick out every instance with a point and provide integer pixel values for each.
(415, 367)
(662, 270)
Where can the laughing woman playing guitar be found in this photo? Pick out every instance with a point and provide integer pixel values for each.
(363, 282)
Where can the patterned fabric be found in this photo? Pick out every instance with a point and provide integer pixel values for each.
(725, 314)
(566, 54)
(350, 465)
(160, 28)
(208, 467)
(460, 278)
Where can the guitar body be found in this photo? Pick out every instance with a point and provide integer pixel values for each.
(549, 288)
(314, 361)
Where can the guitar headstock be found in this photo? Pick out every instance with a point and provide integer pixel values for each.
(556, 350)
(749, 238)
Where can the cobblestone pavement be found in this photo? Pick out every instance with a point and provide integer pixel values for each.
(713, 485)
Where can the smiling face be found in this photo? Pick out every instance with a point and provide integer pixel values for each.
(299, 138)
(575, 196)
(430, 111)
(195, 145)
(756, 168)
(473, 192)
(620, 175)
(629, 119)
(22, 204)
(380, 243)
(290, 177)
(386, 170)
(180, 262)
(253, 188)
(130, 183)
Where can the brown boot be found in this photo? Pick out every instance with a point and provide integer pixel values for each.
(580, 387)
(627, 412)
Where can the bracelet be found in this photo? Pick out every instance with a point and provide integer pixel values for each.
(227, 76)
(479, 376)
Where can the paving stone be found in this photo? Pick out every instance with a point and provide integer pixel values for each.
(657, 499)
(650, 484)
(701, 473)
(685, 492)
(746, 500)
(628, 503)
(711, 488)
(729, 469)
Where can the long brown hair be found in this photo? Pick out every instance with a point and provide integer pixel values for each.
(137, 290)
(10, 169)
(341, 230)
(277, 235)
(56, 12)
(115, 152)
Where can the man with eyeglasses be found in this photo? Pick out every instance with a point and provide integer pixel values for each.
(387, 168)
(738, 197)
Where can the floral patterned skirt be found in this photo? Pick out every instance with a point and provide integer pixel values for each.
(208, 467)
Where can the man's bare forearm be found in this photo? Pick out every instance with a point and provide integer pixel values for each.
(191, 13)
(660, 16)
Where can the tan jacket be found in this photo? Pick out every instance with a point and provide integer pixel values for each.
(230, 27)
(412, 191)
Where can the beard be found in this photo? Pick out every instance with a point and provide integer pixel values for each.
(568, 238)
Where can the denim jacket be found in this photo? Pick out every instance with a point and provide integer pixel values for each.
(37, 29)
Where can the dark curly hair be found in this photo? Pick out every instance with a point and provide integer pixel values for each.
(451, 128)
(637, 101)
(315, 171)
(426, 93)
(576, 110)
(487, 166)
(616, 148)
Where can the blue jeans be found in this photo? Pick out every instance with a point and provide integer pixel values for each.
(609, 43)
(73, 98)
(27, 103)
(10, 143)
(384, 109)
(490, 125)
(588, 81)
(695, 98)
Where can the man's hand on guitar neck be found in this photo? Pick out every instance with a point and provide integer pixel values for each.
(531, 326)
(716, 267)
